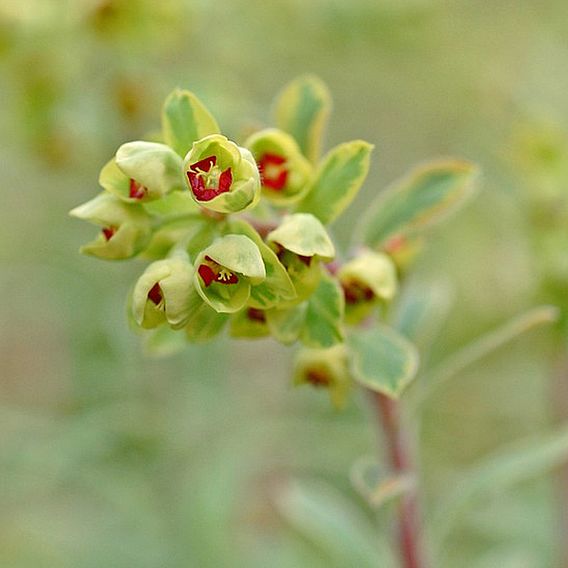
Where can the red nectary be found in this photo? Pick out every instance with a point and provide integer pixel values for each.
(272, 171)
(198, 181)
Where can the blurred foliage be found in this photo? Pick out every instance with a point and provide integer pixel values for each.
(110, 458)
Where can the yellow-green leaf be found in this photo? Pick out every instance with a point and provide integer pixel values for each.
(425, 196)
(383, 360)
(324, 315)
(302, 110)
(185, 119)
(338, 179)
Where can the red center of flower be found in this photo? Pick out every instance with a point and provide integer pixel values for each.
(207, 180)
(137, 190)
(272, 171)
(356, 292)
(109, 232)
(257, 315)
(210, 271)
(155, 294)
(317, 378)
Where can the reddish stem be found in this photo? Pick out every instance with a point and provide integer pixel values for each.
(400, 457)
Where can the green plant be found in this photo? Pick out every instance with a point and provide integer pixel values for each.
(238, 237)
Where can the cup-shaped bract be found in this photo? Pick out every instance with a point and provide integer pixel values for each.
(366, 280)
(125, 227)
(162, 293)
(225, 271)
(325, 368)
(222, 176)
(143, 171)
(285, 173)
(301, 242)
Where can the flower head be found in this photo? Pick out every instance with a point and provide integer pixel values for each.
(222, 176)
(125, 228)
(285, 173)
(226, 270)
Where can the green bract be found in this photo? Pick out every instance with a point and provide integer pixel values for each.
(285, 173)
(143, 171)
(222, 176)
(125, 227)
(162, 294)
(325, 368)
(185, 119)
(367, 279)
(304, 235)
(277, 286)
(226, 270)
(300, 242)
(338, 179)
(302, 110)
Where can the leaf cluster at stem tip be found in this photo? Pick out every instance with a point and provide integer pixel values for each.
(235, 233)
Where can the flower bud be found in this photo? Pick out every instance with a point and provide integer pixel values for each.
(366, 280)
(222, 176)
(225, 271)
(284, 172)
(143, 171)
(325, 368)
(300, 243)
(125, 227)
(162, 293)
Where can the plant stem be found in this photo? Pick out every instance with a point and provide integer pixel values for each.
(560, 409)
(402, 463)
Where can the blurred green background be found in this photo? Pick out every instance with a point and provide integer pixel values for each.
(209, 458)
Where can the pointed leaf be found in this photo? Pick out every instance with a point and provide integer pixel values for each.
(324, 314)
(185, 119)
(302, 110)
(338, 180)
(383, 360)
(455, 363)
(422, 198)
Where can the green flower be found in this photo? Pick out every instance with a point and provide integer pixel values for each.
(285, 173)
(143, 171)
(325, 368)
(366, 280)
(301, 242)
(162, 294)
(226, 270)
(125, 227)
(221, 175)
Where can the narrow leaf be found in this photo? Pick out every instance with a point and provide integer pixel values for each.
(334, 525)
(185, 119)
(338, 180)
(520, 462)
(422, 198)
(383, 360)
(484, 346)
(302, 110)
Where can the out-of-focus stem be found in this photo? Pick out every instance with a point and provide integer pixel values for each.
(399, 452)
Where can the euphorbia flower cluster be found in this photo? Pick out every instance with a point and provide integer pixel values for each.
(188, 203)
